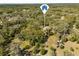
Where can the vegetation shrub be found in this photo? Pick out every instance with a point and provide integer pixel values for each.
(62, 46)
(43, 51)
(72, 49)
(1, 52)
(68, 53)
(53, 51)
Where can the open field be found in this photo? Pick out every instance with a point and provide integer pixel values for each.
(22, 31)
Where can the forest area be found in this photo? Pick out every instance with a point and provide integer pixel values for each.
(22, 31)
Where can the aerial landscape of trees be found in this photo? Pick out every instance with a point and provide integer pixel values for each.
(22, 31)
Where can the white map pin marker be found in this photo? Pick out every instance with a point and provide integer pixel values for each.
(44, 8)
